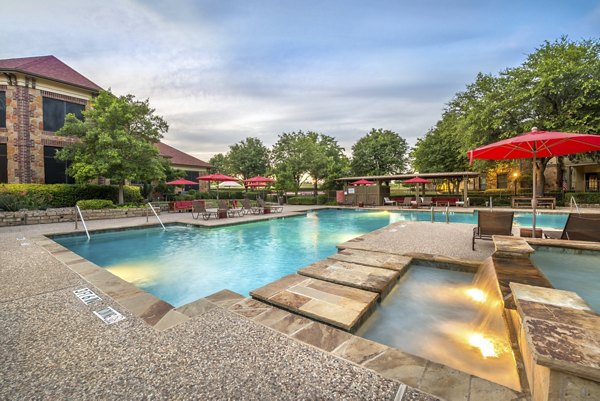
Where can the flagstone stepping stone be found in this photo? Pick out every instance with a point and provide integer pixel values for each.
(371, 258)
(367, 278)
(338, 305)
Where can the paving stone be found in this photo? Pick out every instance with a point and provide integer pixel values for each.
(271, 316)
(447, 383)
(249, 307)
(322, 336)
(543, 295)
(224, 298)
(412, 394)
(377, 259)
(397, 365)
(483, 390)
(290, 324)
(170, 319)
(359, 350)
(197, 308)
(267, 291)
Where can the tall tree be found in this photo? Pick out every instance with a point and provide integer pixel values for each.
(248, 158)
(290, 161)
(379, 152)
(326, 159)
(116, 141)
(220, 164)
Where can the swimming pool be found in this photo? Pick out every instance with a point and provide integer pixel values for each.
(571, 270)
(183, 264)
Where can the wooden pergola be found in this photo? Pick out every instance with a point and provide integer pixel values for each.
(380, 179)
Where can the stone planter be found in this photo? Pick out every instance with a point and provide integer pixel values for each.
(27, 217)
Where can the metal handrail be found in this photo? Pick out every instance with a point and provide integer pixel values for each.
(447, 214)
(491, 203)
(573, 201)
(432, 214)
(156, 214)
(82, 221)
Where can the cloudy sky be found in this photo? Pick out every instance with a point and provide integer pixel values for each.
(221, 70)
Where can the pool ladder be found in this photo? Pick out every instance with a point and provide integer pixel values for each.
(574, 202)
(82, 221)
(446, 213)
(156, 214)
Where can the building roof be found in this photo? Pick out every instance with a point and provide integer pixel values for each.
(179, 158)
(454, 174)
(48, 67)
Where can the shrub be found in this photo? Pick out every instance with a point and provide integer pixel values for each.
(307, 200)
(583, 198)
(13, 202)
(66, 195)
(95, 204)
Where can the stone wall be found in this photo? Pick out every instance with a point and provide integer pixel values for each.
(68, 214)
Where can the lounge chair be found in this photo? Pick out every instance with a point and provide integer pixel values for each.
(273, 208)
(199, 209)
(579, 227)
(492, 223)
(426, 201)
(388, 201)
(407, 202)
(224, 207)
(248, 208)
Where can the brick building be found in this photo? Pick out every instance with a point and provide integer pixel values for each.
(36, 93)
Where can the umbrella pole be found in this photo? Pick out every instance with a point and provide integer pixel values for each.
(534, 199)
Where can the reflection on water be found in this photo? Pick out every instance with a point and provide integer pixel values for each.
(431, 313)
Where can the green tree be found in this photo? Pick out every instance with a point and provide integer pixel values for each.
(326, 160)
(248, 158)
(379, 152)
(220, 164)
(290, 161)
(116, 141)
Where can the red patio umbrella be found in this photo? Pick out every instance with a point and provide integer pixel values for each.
(217, 177)
(417, 181)
(260, 179)
(536, 144)
(362, 182)
(181, 181)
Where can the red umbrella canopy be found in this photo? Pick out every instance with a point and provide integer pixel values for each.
(362, 182)
(217, 177)
(259, 179)
(416, 180)
(256, 184)
(181, 181)
(537, 143)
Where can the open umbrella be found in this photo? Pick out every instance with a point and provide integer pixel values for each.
(259, 179)
(217, 177)
(230, 184)
(417, 181)
(362, 182)
(536, 144)
(181, 181)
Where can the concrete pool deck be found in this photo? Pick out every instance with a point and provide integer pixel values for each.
(53, 346)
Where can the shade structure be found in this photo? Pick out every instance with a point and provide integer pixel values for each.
(259, 179)
(362, 182)
(217, 177)
(534, 144)
(181, 181)
(417, 181)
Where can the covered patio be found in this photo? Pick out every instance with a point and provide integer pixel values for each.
(373, 195)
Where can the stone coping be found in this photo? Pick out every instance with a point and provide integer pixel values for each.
(562, 331)
(511, 246)
(418, 376)
(563, 243)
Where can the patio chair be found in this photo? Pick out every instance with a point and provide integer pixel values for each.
(407, 201)
(248, 208)
(579, 227)
(492, 223)
(273, 208)
(426, 201)
(224, 206)
(198, 208)
(388, 201)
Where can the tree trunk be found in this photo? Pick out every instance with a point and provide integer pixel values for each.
(315, 188)
(540, 178)
(560, 164)
(121, 195)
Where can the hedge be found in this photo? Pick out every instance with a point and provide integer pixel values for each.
(42, 196)
(583, 198)
(95, 204)
(307, 200)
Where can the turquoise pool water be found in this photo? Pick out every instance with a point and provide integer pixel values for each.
(183, 264)
(571, 270)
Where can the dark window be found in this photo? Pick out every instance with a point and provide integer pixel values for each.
(3, 163)
(55, 171)
(55, 112)
(192, 176)
(591, 182)
(502, 181)
(482, 183)
(2, 109)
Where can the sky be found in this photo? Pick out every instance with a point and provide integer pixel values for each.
(220, 71)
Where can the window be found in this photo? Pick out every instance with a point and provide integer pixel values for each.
(55, 171)
(591, 182)
(3, 163)
(482, 183)
(192, 176)
(2, 109)
(502, 181)
(55, 112)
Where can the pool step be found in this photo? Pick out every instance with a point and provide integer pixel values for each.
(338, 305)
(372, 258)
(374, 279)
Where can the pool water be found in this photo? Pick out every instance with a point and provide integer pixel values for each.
(183, 264)
(571, 270)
